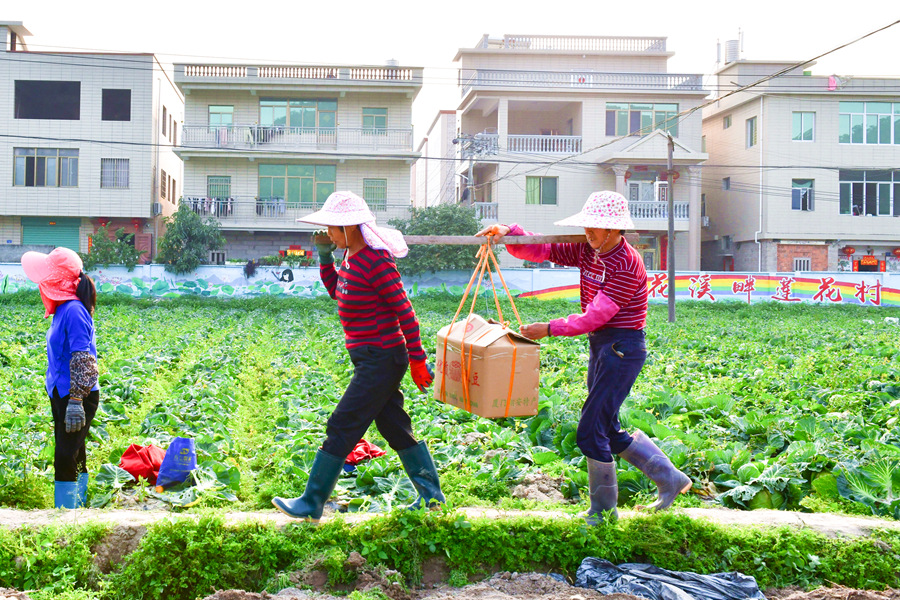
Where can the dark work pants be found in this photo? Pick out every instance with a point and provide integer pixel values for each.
(70, 456)
(373, 395)
(616, 359)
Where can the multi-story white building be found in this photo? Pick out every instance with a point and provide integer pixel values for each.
(434, 178)
(88, 141)
(266, 144)
(804, 171)
(551, 119)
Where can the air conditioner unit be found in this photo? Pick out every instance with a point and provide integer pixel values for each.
(704, 221)
(157, 208)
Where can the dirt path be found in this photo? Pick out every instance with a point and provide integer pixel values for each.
(833, 525)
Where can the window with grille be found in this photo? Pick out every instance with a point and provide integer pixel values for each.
(114, 173)
(218, 186)
(541, 190)
(162, 184)
(375, 193)
(217, 257)
(803, 264)
(751, 132)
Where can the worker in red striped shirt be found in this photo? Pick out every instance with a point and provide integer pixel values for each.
(614, 314)
(381, 333)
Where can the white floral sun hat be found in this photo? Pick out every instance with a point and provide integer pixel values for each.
(602, 210)
(340, 209)
(346, 208)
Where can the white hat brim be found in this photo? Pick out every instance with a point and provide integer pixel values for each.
(326, 217)
(582, 220)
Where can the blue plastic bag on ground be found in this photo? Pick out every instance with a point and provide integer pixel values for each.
(179, 461)
(651, 582)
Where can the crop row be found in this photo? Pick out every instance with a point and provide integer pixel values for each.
(763, 406)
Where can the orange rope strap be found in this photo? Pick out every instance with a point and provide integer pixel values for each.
(485, 257)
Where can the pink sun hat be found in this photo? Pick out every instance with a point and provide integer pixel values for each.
(602, 210)
(346, 208)
(57, 275)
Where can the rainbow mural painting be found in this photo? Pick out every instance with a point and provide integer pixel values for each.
(757, 287)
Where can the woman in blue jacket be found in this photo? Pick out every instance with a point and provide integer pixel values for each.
(72, 377)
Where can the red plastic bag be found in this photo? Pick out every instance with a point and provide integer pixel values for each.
(363, 450)
(143, 461)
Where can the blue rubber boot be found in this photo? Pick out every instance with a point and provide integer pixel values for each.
(65, 494)
(421, 471)
(323, 477)
(604, 490)
(82, 488)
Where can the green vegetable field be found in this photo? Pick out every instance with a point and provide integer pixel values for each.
(773, 406)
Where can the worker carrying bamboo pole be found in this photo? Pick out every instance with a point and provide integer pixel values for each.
(614, 296)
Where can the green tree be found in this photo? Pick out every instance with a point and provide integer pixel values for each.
(187, 241)
(117, 249)
(443, 219)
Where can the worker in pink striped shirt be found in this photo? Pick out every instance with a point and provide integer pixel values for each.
(614, 314)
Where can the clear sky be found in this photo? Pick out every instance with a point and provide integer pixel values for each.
(427, 34)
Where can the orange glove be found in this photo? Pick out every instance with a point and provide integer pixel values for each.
(422, 375)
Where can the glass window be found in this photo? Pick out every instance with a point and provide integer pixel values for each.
(802, 194)
(726, 183)
(45, 167)
(871, 193)
(374, 119)
(869, 123)
(541, 190)
(116, 105)
(751, 132)
(726, 121)
(298, 113)
(802, 125)
(640, 118)
(54, 100)
(114, 173)
(375, 193)
(221, 116)
(163, 178)
(304, 186)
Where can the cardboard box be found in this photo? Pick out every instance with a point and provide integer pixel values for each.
(502, 369)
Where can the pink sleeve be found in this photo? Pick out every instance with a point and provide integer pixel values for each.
(598, 312)
(533, 252)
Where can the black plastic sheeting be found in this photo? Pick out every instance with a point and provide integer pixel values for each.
(649, 581)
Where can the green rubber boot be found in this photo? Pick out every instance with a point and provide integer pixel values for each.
(322, 478)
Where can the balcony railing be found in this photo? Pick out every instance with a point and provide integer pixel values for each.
(232, 211)
(657, 210)
(259, 137)
(589, 80)
(407, 75)
(544, 144)
(584, 43)
(486, 211)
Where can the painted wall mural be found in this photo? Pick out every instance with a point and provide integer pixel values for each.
(870, 289)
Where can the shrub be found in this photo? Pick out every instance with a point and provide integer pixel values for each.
(116, 249)
(443, 219)
(187, 241)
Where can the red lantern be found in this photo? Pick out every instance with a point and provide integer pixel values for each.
(897, 252)
(848, 250)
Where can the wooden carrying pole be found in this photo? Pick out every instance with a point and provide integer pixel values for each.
(471, 240)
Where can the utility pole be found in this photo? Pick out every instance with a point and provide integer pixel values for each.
(670, 242)
(474, 146)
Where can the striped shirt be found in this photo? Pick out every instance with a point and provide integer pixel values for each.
(372, 303)
(618, 276)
